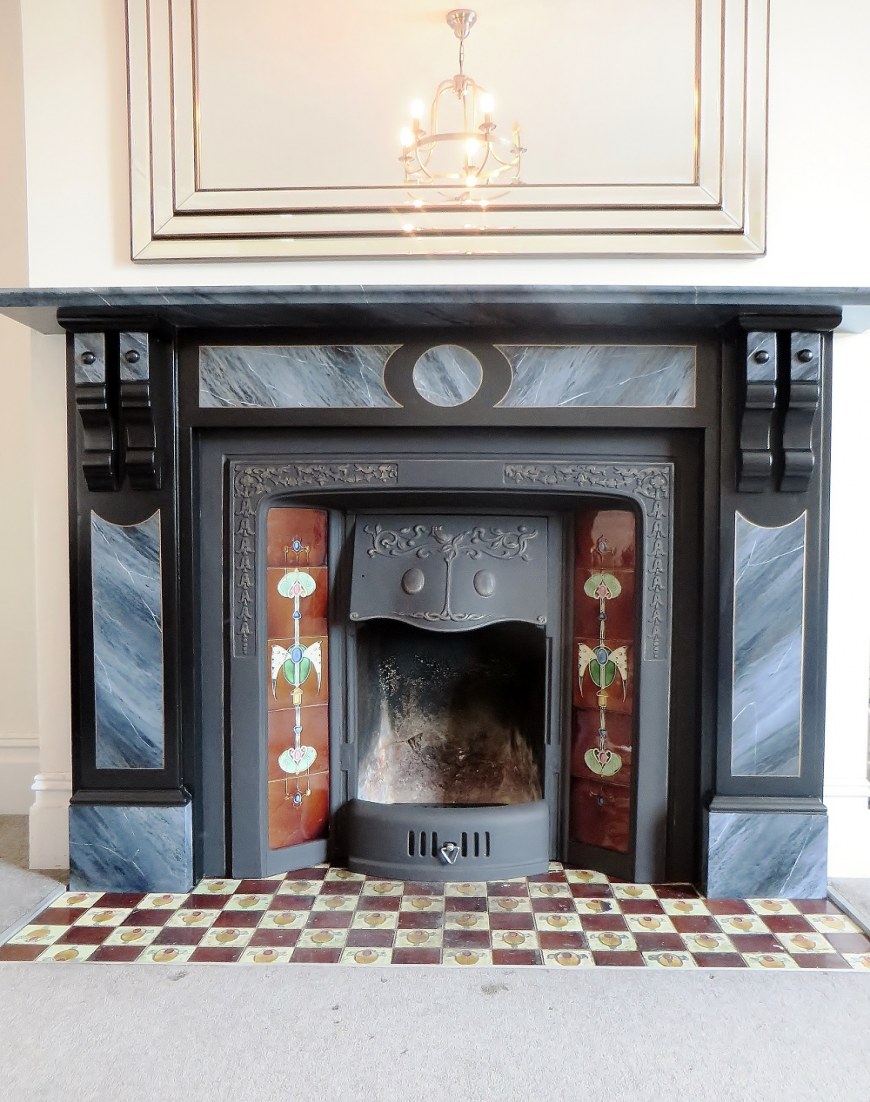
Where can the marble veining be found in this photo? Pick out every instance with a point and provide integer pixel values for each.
(294, 376)
(447, 375)
(768, 648)
(93, 344)
(554, 376)
(128, 643)
(131, 849)
(137, 370)
(780, 855)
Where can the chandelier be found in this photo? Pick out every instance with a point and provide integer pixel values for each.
(459, 149)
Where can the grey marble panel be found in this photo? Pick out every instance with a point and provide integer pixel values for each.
(134, 357)
(447, 375)
(769, 579)
(553, 376)
(128, 643)
(131, 849)
(294, 376)
(87, 345)
(767, 854)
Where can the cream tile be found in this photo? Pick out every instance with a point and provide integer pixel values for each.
(545, 920)
(335, 903)
(585, 876)
(466, 920)
(669, 960)
(708, 943)
(322, 939)
(773, 907)
(344, 874)
(419, 939)
(215, 887)
(300, 887)
(771, 961)
(66, 954)
(161, 901)
(833, 924)
(649, 924)
(192, 918)
(805, 943)
(383, 887)
(467, 888)
(568, 958)
(248, 902)
(597, 906)
(610, 941)
(284, 920)
(634, 891)
(37, 935)
(226, 937)
(100, 916)
(375, 920)
(132, 935)
(423, 903)
(515, 939)
(366, 956)
(549, 891)
(77, 899)
(741, 924)
(261, 955)
(859, 961)
(684, 906)
(166, 954)
(466, 958)
(508, 904)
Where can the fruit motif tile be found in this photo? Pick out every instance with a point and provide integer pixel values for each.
(566, 918)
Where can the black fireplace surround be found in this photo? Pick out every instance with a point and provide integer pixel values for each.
(472, 416)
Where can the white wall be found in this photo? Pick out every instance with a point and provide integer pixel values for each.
(818, 235)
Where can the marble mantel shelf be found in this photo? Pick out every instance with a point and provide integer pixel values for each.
(434, 307)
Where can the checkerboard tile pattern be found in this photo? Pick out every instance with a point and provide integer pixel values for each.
(565, 918)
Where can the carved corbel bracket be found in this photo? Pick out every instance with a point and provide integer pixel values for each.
(755, 450)
(141, 462)
(804, 395)
(94, 402)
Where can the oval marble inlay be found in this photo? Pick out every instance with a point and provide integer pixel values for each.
(447, 375)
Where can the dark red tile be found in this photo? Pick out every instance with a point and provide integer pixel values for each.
(424, 887)
(316, 956)
(547, 878)
(514, 920)
(205, 902)
(274, 938)
(624, 960)
(788, 924)
(329, 920)
(180, 935)
(695, 924)
(421, 920)
(147, 918)
(849, 943)
(816, 906)
(476, 903)
(370, 939)
(603, 922)
(755, 943)
(553, 905)
(561, 939)
(341, 887)
(306, 874)
(466, 939)
(641, 907)
(591, 891)
(119, 954)
(379, 903)
(292, 903)
(214, 954)
(719, 960)
(58, 916)
(505, 887)
(119, 899)
(728, 907)
(512, 957)
(416, 956)
(245, 919)
(820, 960)
(84, 935)
(21, 952)
(258, 887)
(675, 891)
(651, 943)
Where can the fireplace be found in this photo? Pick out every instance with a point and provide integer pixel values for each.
(449, 593)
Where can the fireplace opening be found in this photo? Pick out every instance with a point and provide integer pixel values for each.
(454, 719)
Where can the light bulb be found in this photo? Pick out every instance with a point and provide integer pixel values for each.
(471, 181)
(406, 137)
(417, 109)
(486, 103)
(472, 147)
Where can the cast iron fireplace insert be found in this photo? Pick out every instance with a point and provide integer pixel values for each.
(273, 668)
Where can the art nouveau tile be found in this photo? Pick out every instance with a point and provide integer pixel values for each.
(805, 943)
(611, 941)
(128, 643)
(300, 887)
(294, 376)
(216, 887)
(832, 924)
(557, 922)
(741, 924)
(466, 920)
(568, 958)
(322, 939)
(366, 956)
(193, 917)
(859, 961)
(133, 935)
(266, 955)
(283, 920)
(771, 961)
(37, 935)
(649, 924)
(514, 939)
(421, 903)
(466, 957)
(77, 899)
(707, 943)
(67, 954)
(247, 903)
(375, 920)
(418, 939)
(101, 916)
(508, 904)
(684, 907)
(769, 583)
(600, 375)
(669, 959)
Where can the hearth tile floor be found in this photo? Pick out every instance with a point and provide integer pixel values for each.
(564, 918)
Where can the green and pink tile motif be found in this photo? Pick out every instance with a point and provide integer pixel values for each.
(565, 918)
